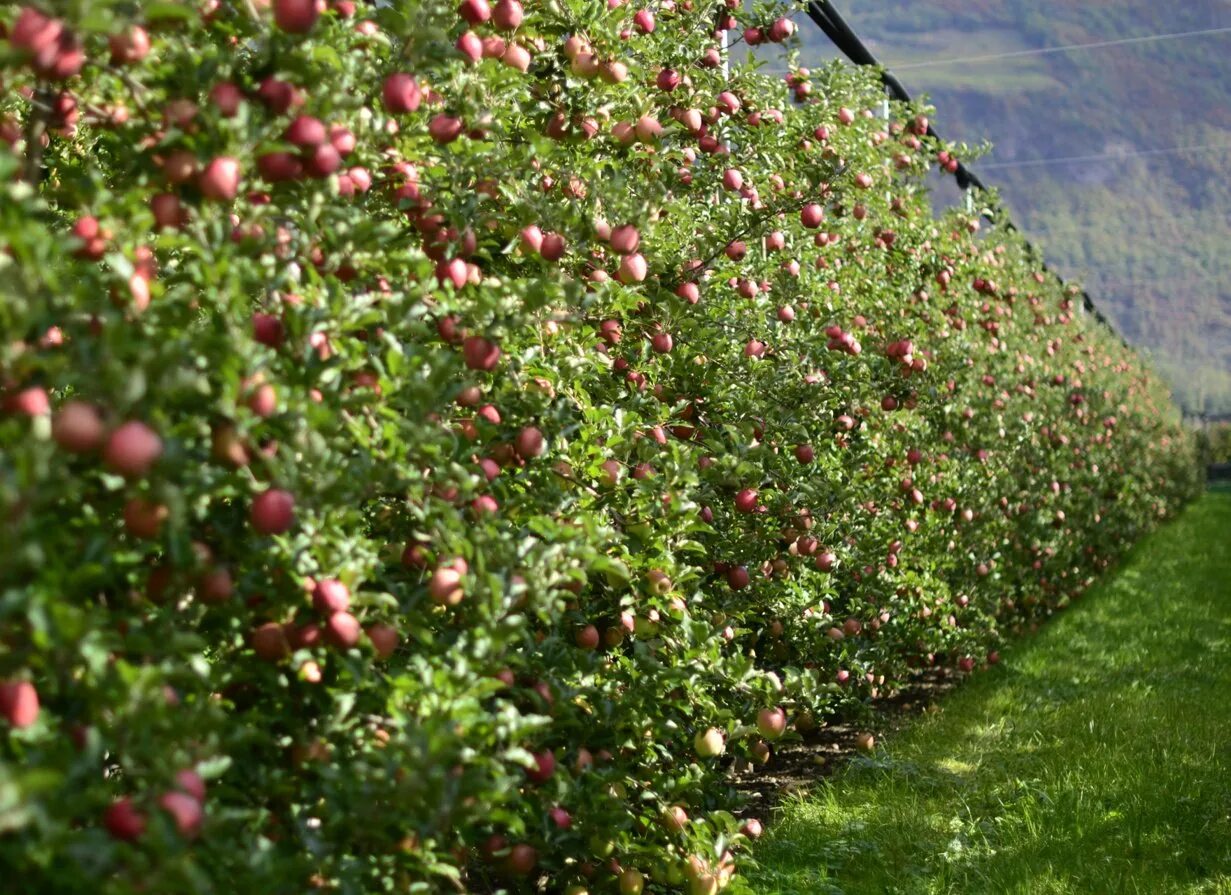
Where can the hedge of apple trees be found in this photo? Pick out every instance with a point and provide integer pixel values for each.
(439, 443)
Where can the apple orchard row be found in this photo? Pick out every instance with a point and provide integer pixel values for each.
(440, 444)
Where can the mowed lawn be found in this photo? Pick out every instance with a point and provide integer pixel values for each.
(1095, 759)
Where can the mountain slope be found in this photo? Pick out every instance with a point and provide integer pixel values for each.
(1148, 234)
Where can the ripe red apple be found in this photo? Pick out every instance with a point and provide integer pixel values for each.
(329, 596)
(771, 723)
(752, 828)
(737, 577)
(625, 239)
(507, 15)
(144, 518)
(78, 427)
(632, 269)
(31, 401)
(529, 443)
(167, 210)
(662, 343)
(227, 98)
(812, 215)
(19, 703)
(129, 46)
(444, 128)
(445, 586)
(587, 638)
(552, 247)
(560, 817)
(273, 511)
(544, 767)
(746, 500)
(306, 132)
(123, 821)
(480, 353)
(804, 453)
(185, 811)
(268, 330)
(476, 12)
(269, 642)
(297, 16)
(470, 45)
(521, 860)
(190, 781)
(132, 449)
(220, 179)
(342, 630)
(400, 93)
(278, 167)
(384, 639)
(531, 238)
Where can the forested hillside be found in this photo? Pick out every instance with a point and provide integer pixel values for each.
(1148, 234)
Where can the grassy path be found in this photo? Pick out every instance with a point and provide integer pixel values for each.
(1095, 759)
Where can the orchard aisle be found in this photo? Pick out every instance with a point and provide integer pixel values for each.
(1095, 759)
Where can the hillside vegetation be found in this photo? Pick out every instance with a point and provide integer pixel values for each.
(1147, 235)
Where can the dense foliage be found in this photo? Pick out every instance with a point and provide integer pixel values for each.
(438, 442)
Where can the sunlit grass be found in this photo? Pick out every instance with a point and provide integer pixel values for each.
(1095, 759)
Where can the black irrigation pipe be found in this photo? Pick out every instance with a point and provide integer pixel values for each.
(827, 18)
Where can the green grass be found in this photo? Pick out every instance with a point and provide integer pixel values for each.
(1095, 759)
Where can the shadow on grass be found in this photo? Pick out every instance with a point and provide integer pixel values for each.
(1096, 758)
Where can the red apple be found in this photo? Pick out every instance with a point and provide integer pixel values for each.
(746, 500)
(297, 16)
(19, 703)
(269, 642)
(220, 179)
(123, 821)
(507, 15)
(521, 860)
(480, 353)
(771, 723)
(78, 427)
(544, 767)
(476, 12)
(132, 449)
(185, 811)
(552, 247)
(329, 596)
(400, 93)
(342, 630)
(190, 781)
(446, 584)
(384, 639)
(144, 518)
(529, 443)
(273, 511)
(129, 46)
